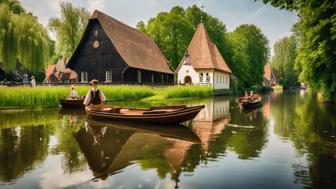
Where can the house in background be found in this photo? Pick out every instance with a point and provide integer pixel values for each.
(203, 64)
(59, 73)
(16, 76)
(269, 77)
(113, 52)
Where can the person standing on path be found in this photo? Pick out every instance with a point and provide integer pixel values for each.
(33, 81)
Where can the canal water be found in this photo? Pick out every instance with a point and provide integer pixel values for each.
(287, 143)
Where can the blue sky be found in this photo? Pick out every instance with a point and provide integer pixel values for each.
(274, 23)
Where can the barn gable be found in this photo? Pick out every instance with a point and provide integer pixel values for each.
(95, 54)
(111, 45)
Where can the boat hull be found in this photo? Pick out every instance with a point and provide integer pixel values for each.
(249, 104)
(69, 103)
(173, 117)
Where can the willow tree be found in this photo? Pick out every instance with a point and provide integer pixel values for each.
(69, 28)
(22, 40)
(8, 39)
(33, 44)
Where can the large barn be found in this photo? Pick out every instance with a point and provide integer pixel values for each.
(113, 52)
(203, 64)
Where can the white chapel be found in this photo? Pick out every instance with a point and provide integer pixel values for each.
(203, 64)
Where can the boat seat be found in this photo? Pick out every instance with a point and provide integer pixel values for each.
(155, 112)
(167, 107)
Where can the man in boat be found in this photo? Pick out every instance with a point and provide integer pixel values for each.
(94, 96)
(73, 94)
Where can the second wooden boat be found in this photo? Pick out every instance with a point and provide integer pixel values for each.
(153, 115)
(72, 103)
(249, 103)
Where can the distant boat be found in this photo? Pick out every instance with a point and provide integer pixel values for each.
(154, 115)
(249, 103)
(72, 103)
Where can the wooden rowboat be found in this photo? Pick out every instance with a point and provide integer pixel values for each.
(249, 103)
(72, 103)
(153, 115)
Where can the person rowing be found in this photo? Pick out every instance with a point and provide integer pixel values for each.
(94, 96)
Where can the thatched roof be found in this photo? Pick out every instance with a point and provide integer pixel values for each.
(136, 48)
(204, 54)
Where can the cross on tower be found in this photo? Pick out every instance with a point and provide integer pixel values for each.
(202, 7)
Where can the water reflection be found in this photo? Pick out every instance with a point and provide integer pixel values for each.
(16, 144)
(221, 147)
(109, 148)
(312, 131)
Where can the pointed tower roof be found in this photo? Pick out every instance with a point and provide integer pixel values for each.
(204, 54)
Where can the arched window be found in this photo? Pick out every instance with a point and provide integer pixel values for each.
(201, 77)
(207, 77)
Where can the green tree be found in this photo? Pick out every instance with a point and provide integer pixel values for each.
(69, 28)
(250, 53)
(316, 52)
(283, 61)
(14, 5)
(22, 40)
(173, 31)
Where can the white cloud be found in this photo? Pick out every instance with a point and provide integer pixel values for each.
(96, 5)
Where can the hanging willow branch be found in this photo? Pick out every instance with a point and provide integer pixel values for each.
(23, 40)
(33, 44)
(8, 40)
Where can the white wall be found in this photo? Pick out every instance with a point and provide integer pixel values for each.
(187, 70)
(214, 109)
(218, 80)
(221, 80)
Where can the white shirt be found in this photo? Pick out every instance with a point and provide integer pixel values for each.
(73, 94)
(88, 96)
(33, 83)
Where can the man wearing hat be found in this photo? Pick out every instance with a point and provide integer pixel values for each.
(94, 96)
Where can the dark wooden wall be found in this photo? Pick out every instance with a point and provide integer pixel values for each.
(131, 76)
(96, 61)
(2, 75)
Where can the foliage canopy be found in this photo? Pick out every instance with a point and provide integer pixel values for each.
(22, 39)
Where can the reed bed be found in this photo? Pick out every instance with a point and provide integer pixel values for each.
(49, 96)
(188, 92)
(43, 96)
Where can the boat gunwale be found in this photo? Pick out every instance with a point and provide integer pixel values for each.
(181, 112)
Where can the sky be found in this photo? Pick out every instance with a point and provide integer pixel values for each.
(273, 22)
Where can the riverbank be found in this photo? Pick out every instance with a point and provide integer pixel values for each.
(27, 97)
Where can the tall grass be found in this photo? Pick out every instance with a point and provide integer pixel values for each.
(18, 97)
(49, 96)
(188, 92)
